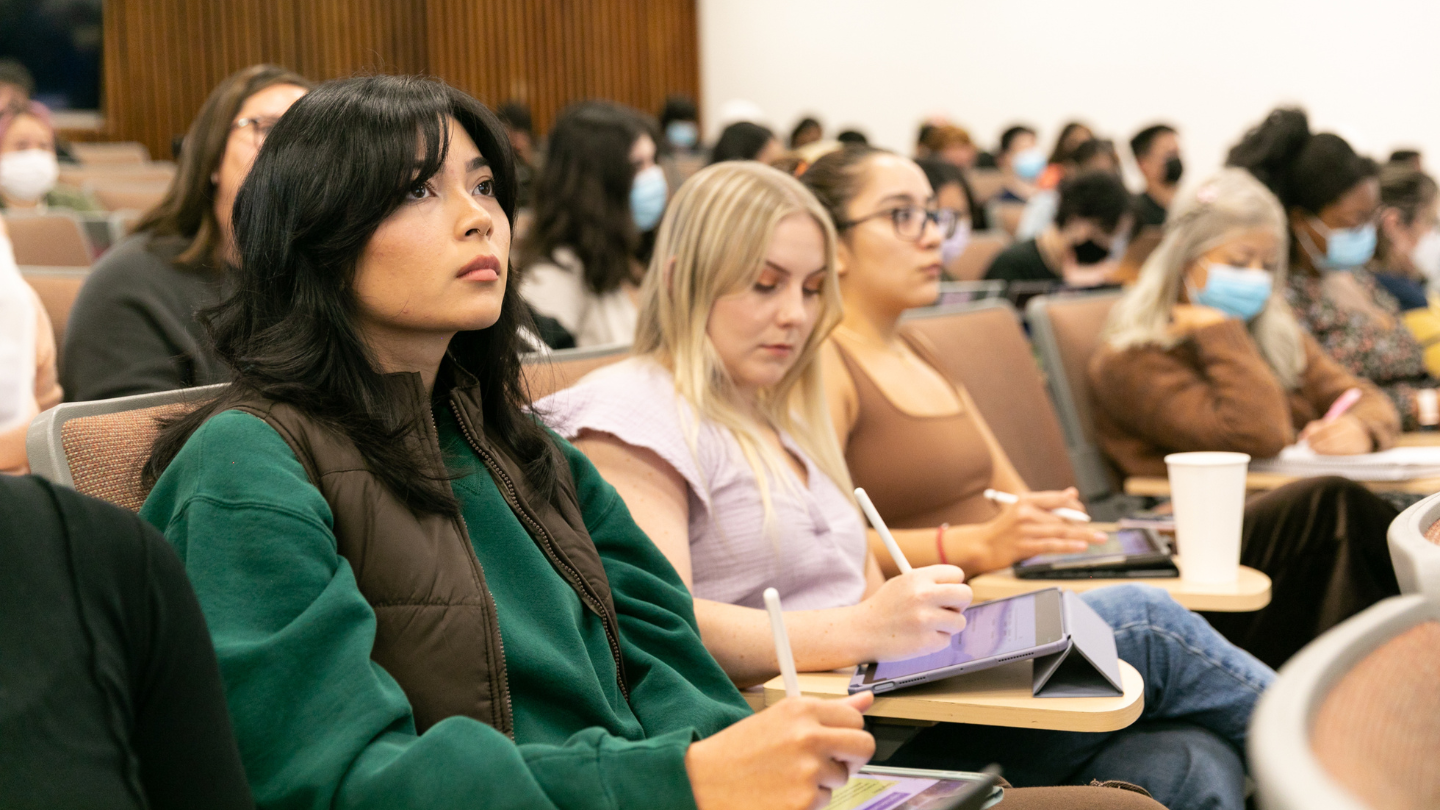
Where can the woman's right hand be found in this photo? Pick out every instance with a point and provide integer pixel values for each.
(1187, 319)
(787, 757)
(1029, 528)
(912, 614)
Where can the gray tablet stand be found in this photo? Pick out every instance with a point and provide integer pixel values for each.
(1088, 666)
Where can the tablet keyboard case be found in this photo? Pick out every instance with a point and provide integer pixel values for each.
(1089, 665)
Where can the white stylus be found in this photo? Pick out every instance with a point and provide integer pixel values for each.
(782, 643)
(1073, 515)
(895, 553)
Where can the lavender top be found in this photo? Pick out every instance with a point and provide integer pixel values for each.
(814, 553)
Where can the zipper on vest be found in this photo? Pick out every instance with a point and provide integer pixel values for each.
(507, 722)
(547, 545)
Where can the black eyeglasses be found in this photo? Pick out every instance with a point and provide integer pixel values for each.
(909, 221)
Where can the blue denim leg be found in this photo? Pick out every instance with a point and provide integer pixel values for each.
(1191, 672)
(1184, 766)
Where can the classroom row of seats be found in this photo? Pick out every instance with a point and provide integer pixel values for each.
(1357, 708)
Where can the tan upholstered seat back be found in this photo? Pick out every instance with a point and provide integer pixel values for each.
(1377, 730)
(985, 184)
(544, 375)
(125, 152)
(1077, 323)
(56, 240)
(121, 195)
(1006, 216)
(57, 289)
(1433, 533)
(972, 263)
(986, 350)
(107, 452)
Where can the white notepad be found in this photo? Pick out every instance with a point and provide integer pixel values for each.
(1395, 464)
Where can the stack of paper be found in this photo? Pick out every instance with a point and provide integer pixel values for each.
(1395, 464)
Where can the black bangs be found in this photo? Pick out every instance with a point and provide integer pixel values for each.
(335, 166)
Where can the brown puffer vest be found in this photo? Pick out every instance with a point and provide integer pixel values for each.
(436, 629)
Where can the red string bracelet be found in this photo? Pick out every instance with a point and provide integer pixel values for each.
(940, 542)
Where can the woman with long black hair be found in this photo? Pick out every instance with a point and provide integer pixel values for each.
(419, 597)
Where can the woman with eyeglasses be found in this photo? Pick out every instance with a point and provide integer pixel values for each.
(1331, 198)
(133, 328)
(904, 425)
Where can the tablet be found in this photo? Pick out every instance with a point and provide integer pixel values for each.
(997, 632)
(881, 788)
(1129, 552)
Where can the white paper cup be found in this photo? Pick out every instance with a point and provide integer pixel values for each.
(1208, 493)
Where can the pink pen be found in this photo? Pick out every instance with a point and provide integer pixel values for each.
(1342, 404)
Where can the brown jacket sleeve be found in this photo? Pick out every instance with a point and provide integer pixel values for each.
(1324, 380)
(1228, 399)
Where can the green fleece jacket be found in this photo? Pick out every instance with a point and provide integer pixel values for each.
(321, 725)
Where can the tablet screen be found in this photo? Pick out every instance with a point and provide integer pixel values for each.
(1124, 541)
(867, 791)
(992, 628)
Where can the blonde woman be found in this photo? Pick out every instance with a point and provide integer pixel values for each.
(1204, 354)
(718, 438)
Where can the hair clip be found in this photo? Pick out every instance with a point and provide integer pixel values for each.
(800, 168)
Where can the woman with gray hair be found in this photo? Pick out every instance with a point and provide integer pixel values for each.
(1203, 353)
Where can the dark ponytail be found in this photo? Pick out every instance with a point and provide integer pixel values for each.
(835, 179)
(1304, 170)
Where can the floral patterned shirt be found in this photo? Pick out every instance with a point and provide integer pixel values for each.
(1390, 356)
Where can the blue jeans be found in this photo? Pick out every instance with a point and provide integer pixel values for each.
(1187, 748)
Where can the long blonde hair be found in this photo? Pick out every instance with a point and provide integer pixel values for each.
(712, 242)
(1200, 220)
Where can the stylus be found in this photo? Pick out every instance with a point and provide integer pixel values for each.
(1069, 514)
(895, 553)
(782, 643)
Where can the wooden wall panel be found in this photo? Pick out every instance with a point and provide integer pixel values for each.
(162, 57)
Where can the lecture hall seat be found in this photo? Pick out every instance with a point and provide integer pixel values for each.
(1353, 722)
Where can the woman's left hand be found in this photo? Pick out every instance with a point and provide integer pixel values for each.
(1344, 436)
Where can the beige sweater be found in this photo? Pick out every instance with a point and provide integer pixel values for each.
(1214, 391)
(47, 394)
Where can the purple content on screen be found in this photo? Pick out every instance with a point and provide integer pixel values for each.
(991, 629)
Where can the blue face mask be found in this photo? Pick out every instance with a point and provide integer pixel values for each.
(1345, 248)
(1236, 291)
(682, 134)
(647, 197)
(1029, 164)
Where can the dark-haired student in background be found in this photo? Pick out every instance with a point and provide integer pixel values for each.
(133, 328)
(1078, 248)
(744, 140)
(599, 193)
(1331, 197)
(1157, 154)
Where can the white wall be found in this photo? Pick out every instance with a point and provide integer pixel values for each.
(1366, 70)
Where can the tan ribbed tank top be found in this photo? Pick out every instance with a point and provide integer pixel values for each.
(920, 471)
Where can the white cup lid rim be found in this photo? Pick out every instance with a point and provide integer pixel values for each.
(1207, 458)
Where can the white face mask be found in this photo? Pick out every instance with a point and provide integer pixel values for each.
(29, 174)
(1426, 257)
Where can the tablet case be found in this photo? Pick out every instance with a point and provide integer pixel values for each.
(1089, 665)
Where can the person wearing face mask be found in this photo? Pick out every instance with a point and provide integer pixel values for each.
(1331, 197)
(1203, 353)
(1407, 254)
(1081, 247)
(1157, 154)
(133, 329)
(600, 192)
(1020, 160)
(1091, 155)
(29, 169)
(952, 193)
